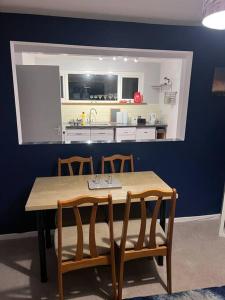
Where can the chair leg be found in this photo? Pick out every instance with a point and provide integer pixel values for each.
(60, 285)
(169, 272)
(120, 282)
(113, 270)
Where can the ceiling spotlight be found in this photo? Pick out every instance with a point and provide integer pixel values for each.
(214, 14)
(114, 58)
(100, 58)
(135, 60)
(125, 59)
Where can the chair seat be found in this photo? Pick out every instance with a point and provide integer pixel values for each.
(133, 233)
(69, 240)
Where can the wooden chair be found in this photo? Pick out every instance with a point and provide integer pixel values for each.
(75, 159)
(121, 158)
(145, 237)
(83, 246)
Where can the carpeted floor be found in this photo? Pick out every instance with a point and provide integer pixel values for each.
(198, 262)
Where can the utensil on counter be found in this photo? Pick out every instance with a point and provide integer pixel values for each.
(119, 117)
(141, 121)
(113, 112)
(152, 118)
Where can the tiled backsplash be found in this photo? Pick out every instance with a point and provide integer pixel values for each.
(70, 112)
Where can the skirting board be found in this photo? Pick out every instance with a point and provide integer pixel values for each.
(197, 218)
(29, 234)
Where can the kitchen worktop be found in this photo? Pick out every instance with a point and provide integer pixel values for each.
(114, 124)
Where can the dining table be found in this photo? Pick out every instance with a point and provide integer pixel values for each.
(46, 192)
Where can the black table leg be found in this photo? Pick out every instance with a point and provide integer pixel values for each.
(41, 244)
(48, 230)
(163, 225)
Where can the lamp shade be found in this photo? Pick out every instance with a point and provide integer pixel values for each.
(214, 14)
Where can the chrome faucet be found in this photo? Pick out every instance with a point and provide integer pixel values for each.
(90, 114)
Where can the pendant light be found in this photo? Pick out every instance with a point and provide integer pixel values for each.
(214, 14)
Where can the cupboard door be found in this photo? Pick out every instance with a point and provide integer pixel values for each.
(77, 135)
(125, 134)
(102, 134)
(145, 134)
(40, 103)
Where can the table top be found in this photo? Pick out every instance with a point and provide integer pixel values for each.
(47, 191)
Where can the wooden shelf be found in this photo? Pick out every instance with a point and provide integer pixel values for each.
(102, 103)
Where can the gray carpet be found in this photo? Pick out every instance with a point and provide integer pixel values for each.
(198, 262)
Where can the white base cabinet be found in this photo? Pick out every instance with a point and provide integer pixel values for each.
(125, 134)
(145, 134)
(104, 134)
(111, 134)
(77, 135)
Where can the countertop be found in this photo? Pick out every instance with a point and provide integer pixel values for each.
(114, 124)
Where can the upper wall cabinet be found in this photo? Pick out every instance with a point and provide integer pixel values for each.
(100, 86)
(40, 107)
(92, 87)
(130, 85)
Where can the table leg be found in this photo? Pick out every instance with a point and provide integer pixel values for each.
(163, 225)
(48, 230)
(41, 244)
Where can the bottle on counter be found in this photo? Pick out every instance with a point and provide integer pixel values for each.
(83, 118)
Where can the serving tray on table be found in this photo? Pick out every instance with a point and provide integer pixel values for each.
(104, 182)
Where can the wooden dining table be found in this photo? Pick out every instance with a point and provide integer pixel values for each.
(46, 191)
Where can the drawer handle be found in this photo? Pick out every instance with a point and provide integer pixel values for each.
(96, 134)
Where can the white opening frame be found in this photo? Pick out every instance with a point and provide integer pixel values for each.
(186, 56)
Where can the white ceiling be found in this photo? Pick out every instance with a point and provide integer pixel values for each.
(187, 12)
(53, 49)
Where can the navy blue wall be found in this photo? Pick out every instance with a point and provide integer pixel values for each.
(195, 167)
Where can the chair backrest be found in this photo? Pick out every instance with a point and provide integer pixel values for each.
(121, 158)
(158, 195)
(73, 160)
(74, 205)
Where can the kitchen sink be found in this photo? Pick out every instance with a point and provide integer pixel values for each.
(91, 124)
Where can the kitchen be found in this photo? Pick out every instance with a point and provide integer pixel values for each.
(105, 95)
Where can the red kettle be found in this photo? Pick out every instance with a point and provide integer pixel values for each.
(138, 97)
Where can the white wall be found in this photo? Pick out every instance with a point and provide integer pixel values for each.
(18, 58)
(28, 59)
(66, 63)
(169, 112)
(70, 112)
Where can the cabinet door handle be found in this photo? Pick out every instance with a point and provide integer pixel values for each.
(99, 133)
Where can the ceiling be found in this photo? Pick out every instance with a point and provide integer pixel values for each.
(186, 12)
(54, 49)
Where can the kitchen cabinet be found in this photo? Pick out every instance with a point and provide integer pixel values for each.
(102, 134)
(145, 134)
(112, 133)
(77, 135)
(125, 134)
(39, 101)
(160, 133)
